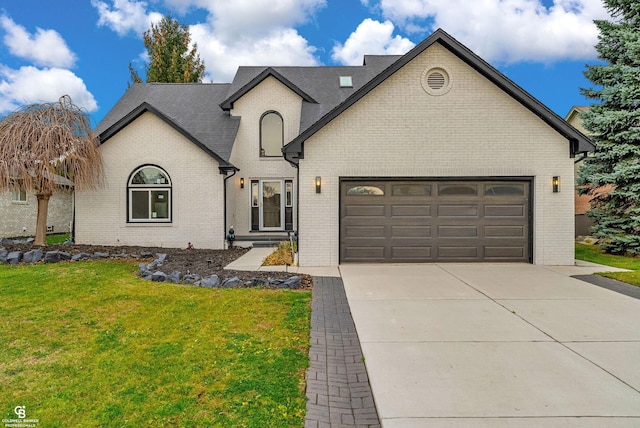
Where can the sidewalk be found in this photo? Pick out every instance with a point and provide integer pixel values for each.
(254, 258)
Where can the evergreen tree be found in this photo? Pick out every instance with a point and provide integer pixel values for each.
(170, 58)
(612, 175)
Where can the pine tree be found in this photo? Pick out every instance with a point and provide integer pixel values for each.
(170, 58)
(612, 175)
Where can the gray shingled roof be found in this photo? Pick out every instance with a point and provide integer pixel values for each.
(193, 108)
(321, 84)
(578, 142)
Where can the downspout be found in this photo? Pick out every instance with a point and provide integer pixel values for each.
(235, 170)
(296, 165)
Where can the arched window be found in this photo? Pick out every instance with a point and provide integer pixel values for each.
(149, 195)
(271, 134)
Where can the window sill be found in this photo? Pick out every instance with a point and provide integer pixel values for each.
(19, 203)
(148, 224)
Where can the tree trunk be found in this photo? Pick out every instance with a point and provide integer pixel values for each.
(41, 223)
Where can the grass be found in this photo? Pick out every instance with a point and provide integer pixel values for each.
(93, 344)
(281, 256)
(593, 253)
(58, 238)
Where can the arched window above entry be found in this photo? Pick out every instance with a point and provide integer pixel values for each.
(149, 195)
(271, 134)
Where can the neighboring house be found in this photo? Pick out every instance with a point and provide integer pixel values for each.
(19, 210)
(582, 202)
(429, 156)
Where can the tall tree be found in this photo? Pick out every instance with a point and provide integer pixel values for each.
(171, 59)
(40, 143)
(612, 175)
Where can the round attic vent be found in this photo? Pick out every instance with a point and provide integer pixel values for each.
(436, 81)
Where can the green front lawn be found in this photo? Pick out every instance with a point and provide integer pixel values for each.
(90, 344)
(592, 253)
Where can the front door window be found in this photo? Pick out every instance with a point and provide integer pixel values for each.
(271, 205)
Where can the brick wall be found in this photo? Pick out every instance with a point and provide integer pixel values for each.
(197, 191)
(268, 95)
(14, 216)
(398, 130)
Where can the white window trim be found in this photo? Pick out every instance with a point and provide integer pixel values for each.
(149, 188)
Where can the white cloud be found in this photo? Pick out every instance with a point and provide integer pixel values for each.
(125, 16)
(29, 85)
(507, 31)
(279, 47)
(372, 38)
(45, 47)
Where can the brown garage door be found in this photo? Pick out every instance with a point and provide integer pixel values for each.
(429, 221)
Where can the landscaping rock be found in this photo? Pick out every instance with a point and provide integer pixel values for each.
(162, 257)
(144, 270)
(120, 256)
(5, 241)
(257, 282)
(33, 256)
(146, 255)
(81, 256)
(210, 282)
(29, 240)
(14, 257)
(293, 282)
(3, 255)
(191, 278)
(231, 282)
(159, 277)
(100, 255)
(175, 277)
(56, 256)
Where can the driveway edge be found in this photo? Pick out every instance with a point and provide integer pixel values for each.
(338, 390)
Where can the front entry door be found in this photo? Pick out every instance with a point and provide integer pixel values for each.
(271, 214)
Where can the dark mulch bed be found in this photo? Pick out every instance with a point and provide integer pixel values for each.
(196, 261)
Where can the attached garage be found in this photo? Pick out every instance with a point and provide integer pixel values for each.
(435, 220)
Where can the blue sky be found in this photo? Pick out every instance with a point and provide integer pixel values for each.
(83, 47)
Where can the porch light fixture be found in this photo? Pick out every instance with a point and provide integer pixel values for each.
(556, 184)
(318, 184)
(242, 182)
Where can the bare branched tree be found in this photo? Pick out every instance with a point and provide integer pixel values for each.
(39, 144)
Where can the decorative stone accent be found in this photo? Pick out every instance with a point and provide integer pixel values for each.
(14, 257)
(99, 255)
(33, 256)
(159, 277)
(211, 282)
(175, 277)
(231, 282)
(81, 256)
(56, 256)
(3, 255)
(191, 278)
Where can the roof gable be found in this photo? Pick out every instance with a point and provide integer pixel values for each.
(578, 141)
(267, 72)
(191, 109)
(148, 108)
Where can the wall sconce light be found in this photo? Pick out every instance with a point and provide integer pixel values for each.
(318, 184)
(556, 184)
(242, 182)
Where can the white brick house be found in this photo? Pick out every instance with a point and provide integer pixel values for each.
(429, 156)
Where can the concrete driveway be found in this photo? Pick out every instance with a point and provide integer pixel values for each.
(495, 345)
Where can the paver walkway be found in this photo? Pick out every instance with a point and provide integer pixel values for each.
(337, 383)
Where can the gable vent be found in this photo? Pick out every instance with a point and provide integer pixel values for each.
(436, 80)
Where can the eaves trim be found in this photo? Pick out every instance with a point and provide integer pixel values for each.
(146, 107)
(269, 71)
(578, 141)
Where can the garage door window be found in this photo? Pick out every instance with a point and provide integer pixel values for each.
(365, 191)
(411, 190)
(457, 189)
(504, 190)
